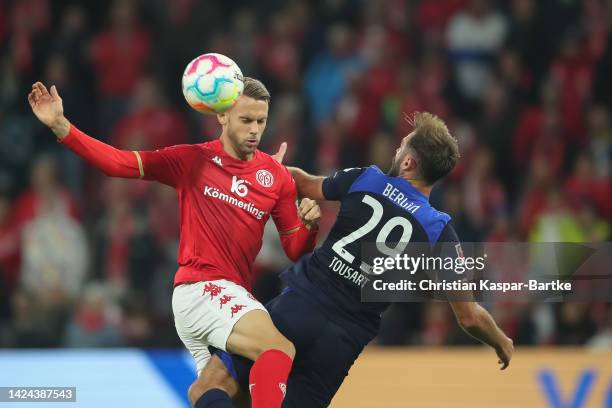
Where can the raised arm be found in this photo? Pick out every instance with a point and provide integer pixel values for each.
(48, 108)
(167, 165)
(308, 185)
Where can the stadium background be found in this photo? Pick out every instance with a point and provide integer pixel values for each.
(525, 85)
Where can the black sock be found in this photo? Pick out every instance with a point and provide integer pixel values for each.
(214, 398)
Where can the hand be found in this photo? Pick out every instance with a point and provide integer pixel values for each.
(504, 352)
(309, 213)
(49, 109)
(280, 155)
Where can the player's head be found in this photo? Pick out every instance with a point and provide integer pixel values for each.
(245, 122)
(428, 153)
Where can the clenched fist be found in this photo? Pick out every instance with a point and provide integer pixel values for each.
(309, 213)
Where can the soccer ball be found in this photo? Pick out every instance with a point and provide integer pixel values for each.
(212, 83)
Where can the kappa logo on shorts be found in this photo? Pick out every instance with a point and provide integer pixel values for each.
(213, 289)
(283, 388)
(237, 308)
(224, 299)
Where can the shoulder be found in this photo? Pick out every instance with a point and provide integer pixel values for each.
(209, 147)
(448, 234)
(184, 152)
(353, 172)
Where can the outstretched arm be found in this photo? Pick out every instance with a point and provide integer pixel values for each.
(48, 108)
(308, 185)
(168, 165)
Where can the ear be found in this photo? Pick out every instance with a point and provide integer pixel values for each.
(408, 164)
(222, 118)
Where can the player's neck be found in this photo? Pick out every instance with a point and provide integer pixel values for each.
(420, 186)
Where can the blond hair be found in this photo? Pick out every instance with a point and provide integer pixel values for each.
(436, 150)
(255, 89)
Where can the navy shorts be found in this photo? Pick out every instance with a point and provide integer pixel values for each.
(326, 348)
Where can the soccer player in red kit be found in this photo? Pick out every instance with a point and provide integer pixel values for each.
(227, 190)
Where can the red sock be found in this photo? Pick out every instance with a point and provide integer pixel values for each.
(268, 379)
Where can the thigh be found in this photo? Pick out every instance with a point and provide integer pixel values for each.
(325, 350)
(206, 312)
(254, 334)
(318, 373)
(296, 319)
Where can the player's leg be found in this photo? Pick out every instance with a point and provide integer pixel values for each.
(300, 321)
(326, 349)
(204, 314)
(214, 387)
(255, 337)
(224, 315)
(319, 373)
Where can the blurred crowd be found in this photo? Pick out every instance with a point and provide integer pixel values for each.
(525, 86)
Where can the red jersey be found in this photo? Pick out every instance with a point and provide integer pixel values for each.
(224, 203)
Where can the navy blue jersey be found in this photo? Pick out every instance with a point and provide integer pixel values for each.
(375, 208)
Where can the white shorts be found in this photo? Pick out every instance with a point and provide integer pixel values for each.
(205, 314)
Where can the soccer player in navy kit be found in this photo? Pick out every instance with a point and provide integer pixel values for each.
(321, 311)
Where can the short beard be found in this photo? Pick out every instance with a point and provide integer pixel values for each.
(242, 150)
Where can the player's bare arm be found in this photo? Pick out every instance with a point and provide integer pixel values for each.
(49, 109)
(478, 323)
(308, 186)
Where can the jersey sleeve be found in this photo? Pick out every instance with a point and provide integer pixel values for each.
(337, 186)
(169, 165)
(111, 161)
(295, 237)
(285, 213)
